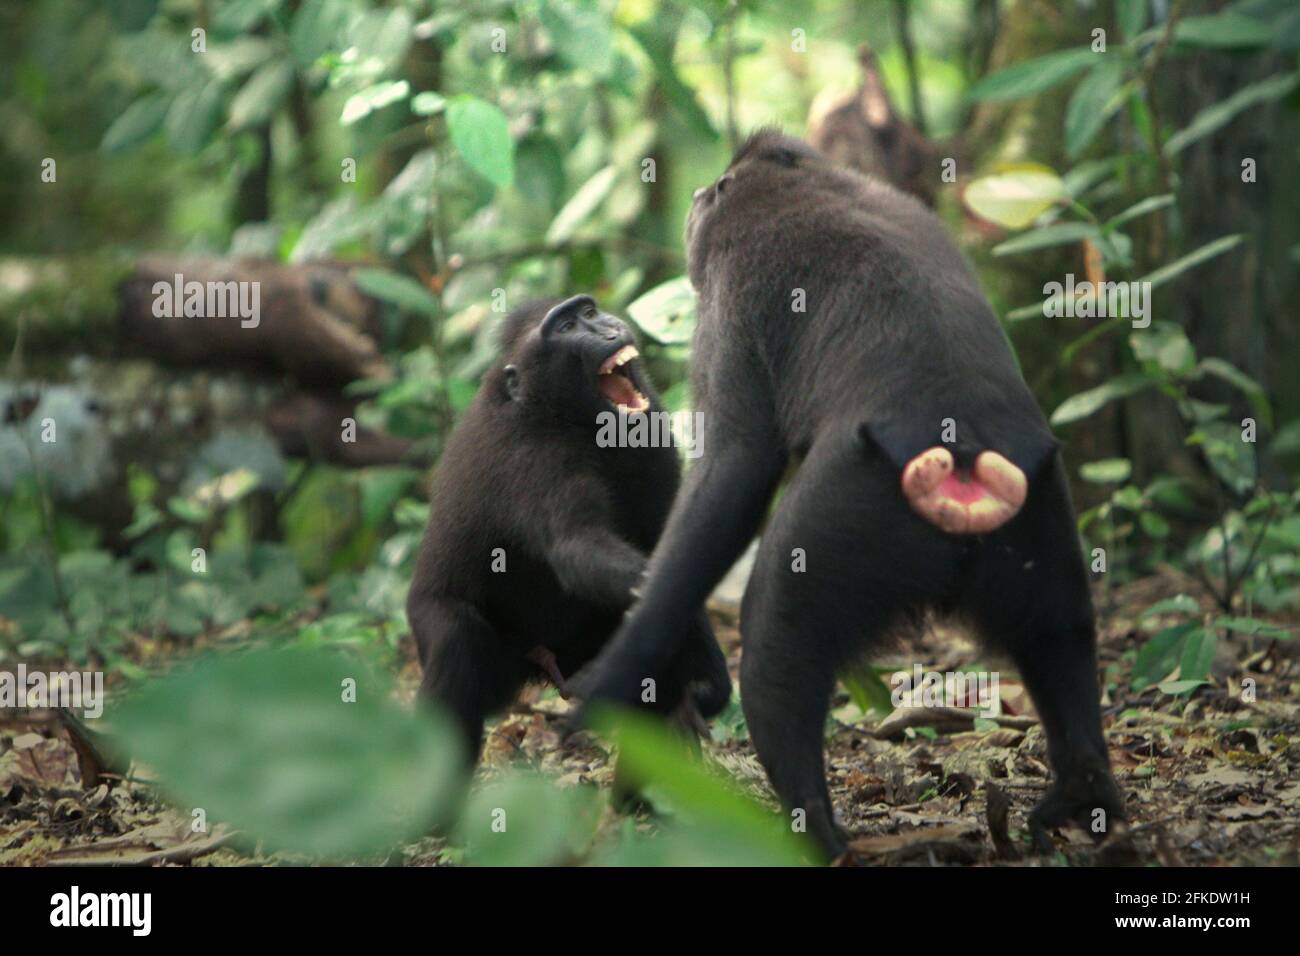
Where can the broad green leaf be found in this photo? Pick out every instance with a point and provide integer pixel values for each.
(1159, 656)
(380, 38)
(582, 35)
(667, 312)
(1198, 654)
(1087, 403)
(1218, 115)
(651, 755)
(581, 206)
(1222, 30)
(316, 28)
(137, 123)
(1132, 17)
(237, 16)
(1033, 76)
(681, 96)
(1058, 233)
(1166, 345)
(193, 116)
(265, 742)
(481, 134)
(261, 96)
(372, 98)
(868, 691)
(1094, 101)
(1192, 259)
(1248, 625)
(528, 821)
(1107, 471)
(1153, 524)
(1015, 195)
(400, 290)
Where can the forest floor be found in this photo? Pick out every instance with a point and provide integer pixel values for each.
(1209, 779)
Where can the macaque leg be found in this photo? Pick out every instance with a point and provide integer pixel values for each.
(468, 671)
(1030, 598)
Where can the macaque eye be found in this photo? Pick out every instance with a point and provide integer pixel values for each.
(567, 326)
(589, 313)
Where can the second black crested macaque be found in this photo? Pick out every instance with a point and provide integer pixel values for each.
(840, 329)
(538, 534)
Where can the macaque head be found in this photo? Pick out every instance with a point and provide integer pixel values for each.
(574, 363)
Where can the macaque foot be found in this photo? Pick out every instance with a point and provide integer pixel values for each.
(1091, 799)
(964, 502)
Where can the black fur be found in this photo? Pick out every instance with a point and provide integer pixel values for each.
(896, 337)
(522, 472)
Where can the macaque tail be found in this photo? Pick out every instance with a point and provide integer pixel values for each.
(974, 500)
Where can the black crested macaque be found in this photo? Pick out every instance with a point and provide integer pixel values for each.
(841, 328)
(538, 535)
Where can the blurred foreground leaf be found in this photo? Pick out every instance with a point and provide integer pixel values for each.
(266, 742)
(712, 820)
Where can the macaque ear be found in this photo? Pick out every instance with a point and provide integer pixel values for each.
(512, 383)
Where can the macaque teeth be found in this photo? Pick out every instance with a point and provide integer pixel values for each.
(624, 355)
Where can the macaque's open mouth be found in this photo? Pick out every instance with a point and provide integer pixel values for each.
(964, 502)
(615, 381)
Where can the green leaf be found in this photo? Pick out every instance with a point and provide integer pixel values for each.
(667, 312)
(264, 741)
(1033, 76)
(428, 103)
(1087, 403)
(582, 36)
(1248, 625)
(528, 821)
(400, 290)
(481, 134)
(651, 755)
(581, 206)
(1179, 604)
(380, 39)
(193, 116)
(868, 691)
(681, 96)
(1159, 656)
(1148, 205)
(316, 28)
(1218, 115)
(1176, 688)
(374, 97)
(1058, 233)
(1240, 380)
(261, 96)
(137, 123)
(1222, 30)
(1015, 195)
(1094, 101)
(1107, 471)
(1132, 17)
(1192, 259)
(1165, 345)
(1198, 654)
